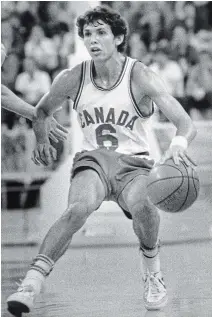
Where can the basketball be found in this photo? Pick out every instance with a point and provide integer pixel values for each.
(171, 187)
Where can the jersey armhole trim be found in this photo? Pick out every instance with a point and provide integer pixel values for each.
(132, 96)
(82, 79)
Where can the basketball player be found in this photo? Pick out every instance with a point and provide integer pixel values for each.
(113, 96)
(12, 103)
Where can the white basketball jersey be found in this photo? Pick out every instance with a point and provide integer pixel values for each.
(110, 118)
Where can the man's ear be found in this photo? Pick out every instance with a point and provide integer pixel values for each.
(119, 39)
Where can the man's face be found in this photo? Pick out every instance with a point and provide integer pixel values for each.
(99, 40)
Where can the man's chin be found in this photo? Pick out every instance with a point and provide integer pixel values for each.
(99, 58)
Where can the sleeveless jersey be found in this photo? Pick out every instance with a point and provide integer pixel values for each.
(110, 118)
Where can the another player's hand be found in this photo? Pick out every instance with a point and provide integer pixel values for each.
(56, 131)
(44, 154)
(177, 153)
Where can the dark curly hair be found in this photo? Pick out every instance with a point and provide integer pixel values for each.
(117, 24)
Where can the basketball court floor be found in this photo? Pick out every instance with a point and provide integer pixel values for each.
(105, 281)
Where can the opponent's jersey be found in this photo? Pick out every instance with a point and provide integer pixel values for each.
(110, 118)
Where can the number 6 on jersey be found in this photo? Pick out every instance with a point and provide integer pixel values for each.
(104, 137)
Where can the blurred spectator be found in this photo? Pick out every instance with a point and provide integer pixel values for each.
(194, 14)
(152, 19)
(18, 37)
(28, 16)
(7, 7)
(32, 83)
(199, 88)
(58, 11)
(190, 16)
(202, 15)
(138, 49)
(202, 40)
(168, 18)
(52, 13)
(179, 42)
(64, 40)
(169, 71)
(13, 156)
(181, 48)
(42, 49)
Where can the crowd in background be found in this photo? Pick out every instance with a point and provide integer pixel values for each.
(173, 38)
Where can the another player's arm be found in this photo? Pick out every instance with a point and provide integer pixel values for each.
(65, 85)
(154, 87)
(13, 103)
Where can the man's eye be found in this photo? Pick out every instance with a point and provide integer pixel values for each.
(87, 34)
(101, 32)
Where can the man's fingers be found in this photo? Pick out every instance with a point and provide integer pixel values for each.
(62, 128)
(47, 154)
(53, 152)
(191, 160)
(185, 160)
(53, 138)
(34, 159)
(42, 154)
(176, 159)
(59, 134)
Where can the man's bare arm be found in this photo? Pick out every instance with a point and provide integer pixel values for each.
(154, 87)
(14, 104)
(65, 85)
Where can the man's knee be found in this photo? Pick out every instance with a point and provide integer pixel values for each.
(77, 213)
(142, 208)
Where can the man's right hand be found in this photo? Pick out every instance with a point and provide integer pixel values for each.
(44, 154)
(56, 131)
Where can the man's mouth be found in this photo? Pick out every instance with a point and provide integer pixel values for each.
(95, 49)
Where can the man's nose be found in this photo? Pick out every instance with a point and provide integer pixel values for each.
(93, 38)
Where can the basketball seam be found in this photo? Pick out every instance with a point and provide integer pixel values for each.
(171, 193)
(194, 182)
(187, 189)
(162, 179)
(171, 166)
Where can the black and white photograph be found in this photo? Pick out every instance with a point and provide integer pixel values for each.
(106, 158)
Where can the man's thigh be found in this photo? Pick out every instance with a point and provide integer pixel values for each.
(134, 195)
(87, 187)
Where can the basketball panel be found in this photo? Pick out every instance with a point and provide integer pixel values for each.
(163, 171)
(174, 201)
(161, 189)
(191, 198)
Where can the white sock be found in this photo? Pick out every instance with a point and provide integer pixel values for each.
(36, 276)
(150, 261)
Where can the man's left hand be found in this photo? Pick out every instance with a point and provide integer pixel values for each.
(177, 153)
